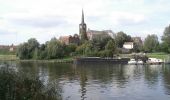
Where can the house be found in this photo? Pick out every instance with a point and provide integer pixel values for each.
(128, 45)
(70, 39)
(12, 48)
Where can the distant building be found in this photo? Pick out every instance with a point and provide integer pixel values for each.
(128, 45)
(8, 48)
(4, 46)
(85, 34)
(70, 39)
(91, 34)
(12, 48)
(82, 29)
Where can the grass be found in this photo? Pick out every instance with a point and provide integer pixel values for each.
(159, 55)
(14, 57)
(8, 57)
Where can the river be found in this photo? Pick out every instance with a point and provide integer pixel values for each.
(103, 81)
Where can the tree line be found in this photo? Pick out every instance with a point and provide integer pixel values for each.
(101, 46)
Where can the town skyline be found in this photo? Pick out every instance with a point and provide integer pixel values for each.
(19, 22)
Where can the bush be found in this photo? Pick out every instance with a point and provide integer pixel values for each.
(15, 86)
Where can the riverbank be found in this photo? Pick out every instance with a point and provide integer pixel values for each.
(64, 60)
(160, 55)
(8, 57)
(14, 58)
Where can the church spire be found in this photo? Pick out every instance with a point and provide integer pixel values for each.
(82, 29)
(82, 18)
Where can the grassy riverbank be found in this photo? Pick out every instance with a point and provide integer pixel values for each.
(158, 55)
(14, 58)
(64, 60)
(71, 59)
(8, 57)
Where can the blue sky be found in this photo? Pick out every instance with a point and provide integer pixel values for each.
(44, 19)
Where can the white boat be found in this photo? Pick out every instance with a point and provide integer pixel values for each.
(132, 61)
(154, 61)
(140, 62)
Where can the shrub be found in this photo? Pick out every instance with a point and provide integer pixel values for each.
(15, 86)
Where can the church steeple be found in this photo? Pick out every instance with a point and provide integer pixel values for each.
(82, 18)
(82, 29)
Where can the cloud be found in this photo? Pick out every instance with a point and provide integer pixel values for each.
(44, 19)
(40, 22)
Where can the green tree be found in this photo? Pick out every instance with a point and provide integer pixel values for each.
(86, 49)
(27, 50)
(137, 47)
(166, 40)
(55, 49)
(122, 37)
(22, 51)
(100, 40)
(151, 43)
(70, 49)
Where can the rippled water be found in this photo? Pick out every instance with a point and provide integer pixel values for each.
(103, 81)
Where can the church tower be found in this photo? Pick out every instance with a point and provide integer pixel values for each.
(82, 29)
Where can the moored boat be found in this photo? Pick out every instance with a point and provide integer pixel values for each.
(132, 62)
(154, 61)
(140, 62)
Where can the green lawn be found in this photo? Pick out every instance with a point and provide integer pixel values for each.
(158, 55)
(8, 57)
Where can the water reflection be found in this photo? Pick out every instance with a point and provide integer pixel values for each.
(103, 81)
(166, 79)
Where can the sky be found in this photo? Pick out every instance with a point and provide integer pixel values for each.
(44, 19)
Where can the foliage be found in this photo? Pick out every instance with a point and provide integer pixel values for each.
(55, 49)
(151, 43)
(15, 86)
(86, 49)
(122, 37)
(100, 41)
(137, 47)
(52, 49)
(27, 49)
(166, 40)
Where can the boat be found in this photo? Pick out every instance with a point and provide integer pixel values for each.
(132, 62)
(154, 61)
(140, 62)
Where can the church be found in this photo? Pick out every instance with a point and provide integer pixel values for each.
(84, 34)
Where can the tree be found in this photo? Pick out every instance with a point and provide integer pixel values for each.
(70, 49)
(137, 47)
(29, 49)
(87, 49)
(151, 43)
(122, 37)
(55, 49)
(22, 51)
(166, 40)
(100, 41)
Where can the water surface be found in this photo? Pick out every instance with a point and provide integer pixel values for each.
(103, 81)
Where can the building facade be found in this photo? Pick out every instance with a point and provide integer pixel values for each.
(128, 45)
(92, 34)
(70, 39)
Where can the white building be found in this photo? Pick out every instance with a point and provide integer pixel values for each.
(128, 45)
